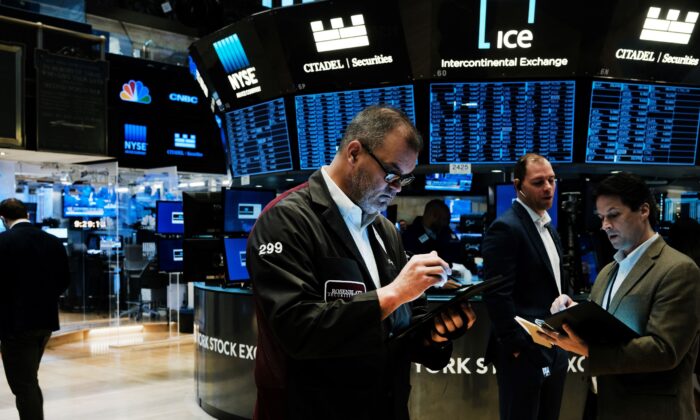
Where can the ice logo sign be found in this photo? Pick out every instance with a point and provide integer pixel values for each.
(669, 29)
(241, 75)
(135, 91)
(509, 38)
(338, 36)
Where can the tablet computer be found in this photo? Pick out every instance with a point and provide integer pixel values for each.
(592, 323)
(462, 294)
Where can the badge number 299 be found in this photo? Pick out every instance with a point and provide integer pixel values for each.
(270, 248)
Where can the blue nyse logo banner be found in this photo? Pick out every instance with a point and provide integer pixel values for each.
(135, 141)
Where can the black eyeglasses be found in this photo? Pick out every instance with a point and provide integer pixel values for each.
(391, 175)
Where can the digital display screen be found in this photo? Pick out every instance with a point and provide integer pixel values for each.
(448, 182)
(159, 117)
(323, 117)
(647, 124)
(242, 207)
(503, 38)
(647, 41)
(505, 195)
(61, 233)
(204, 213)
(458, 207)
(498, 122)
(170, 217)
(338, 43)
(170, 255)
(86, 201)
(236, 259)
(241, 66)
(205, 260)
(258, 139)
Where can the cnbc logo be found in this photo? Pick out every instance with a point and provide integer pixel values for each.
(135, 142)
(135, 91)
(241, 75)
(507, 38)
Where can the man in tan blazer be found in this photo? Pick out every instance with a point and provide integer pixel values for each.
(655, 290)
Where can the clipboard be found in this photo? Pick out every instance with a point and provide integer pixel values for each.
(426, 321)
(592, 323)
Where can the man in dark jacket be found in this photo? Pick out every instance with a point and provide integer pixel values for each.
(431, 232)
(34, 273)
(332, 285)
(522, 247)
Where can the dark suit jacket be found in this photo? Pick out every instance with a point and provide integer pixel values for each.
(513, 248)
(650, 377)
(319, 357)
(415, 240)
(34, 272)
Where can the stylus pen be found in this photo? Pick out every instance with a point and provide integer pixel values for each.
(449, 276)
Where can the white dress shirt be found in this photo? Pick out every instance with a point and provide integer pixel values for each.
(625, 264)
(540, 222)
(356, 223)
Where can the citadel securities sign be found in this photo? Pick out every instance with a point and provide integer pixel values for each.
(651, 40)
(334, 44)
(337, 36)
(519, 37)
(659, 30)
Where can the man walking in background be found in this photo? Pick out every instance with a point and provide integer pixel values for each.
(34, 274)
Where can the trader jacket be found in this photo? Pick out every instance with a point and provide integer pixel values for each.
(651, 376)
(322, 349)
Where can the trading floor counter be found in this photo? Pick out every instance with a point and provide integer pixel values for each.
(225, 332)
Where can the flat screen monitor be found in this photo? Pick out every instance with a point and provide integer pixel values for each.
(649, 124)
(84, 200)
(159, 117)
(323, 117)
(242, 208)
(235, 259)
(170, 217)
(170, 255)
(502, 121)
(344, 43)
(458, 207)
(505, 195)
(61, 233)
(204, 213)
(258, 139)
(203, 260)
(448, 182)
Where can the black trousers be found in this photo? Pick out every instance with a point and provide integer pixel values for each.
(21, 355)
(526, 390)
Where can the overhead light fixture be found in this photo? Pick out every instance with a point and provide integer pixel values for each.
(496, 171)
(197, 184)
(289, 179)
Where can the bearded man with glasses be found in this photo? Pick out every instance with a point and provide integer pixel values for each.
(337, 285)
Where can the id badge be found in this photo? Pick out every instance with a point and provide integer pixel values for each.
(342, 289)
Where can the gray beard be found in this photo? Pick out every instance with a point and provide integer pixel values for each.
(360, 184)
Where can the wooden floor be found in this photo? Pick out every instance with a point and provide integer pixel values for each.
(127, 374)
